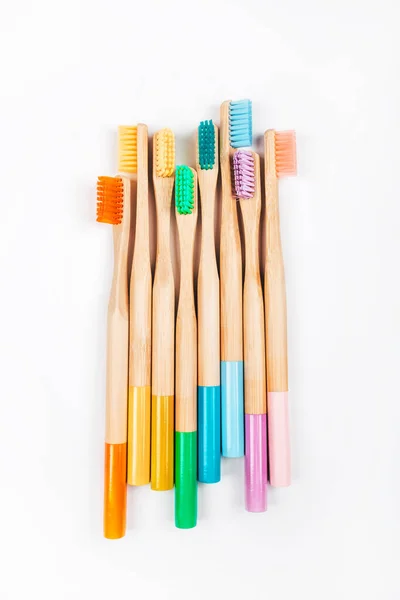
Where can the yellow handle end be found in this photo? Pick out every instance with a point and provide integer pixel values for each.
(162, 443)
(139, 412)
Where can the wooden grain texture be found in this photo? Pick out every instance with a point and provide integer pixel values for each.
(255, 385)
(230, 255)
(163, 330)
(186, 326)
(208, 305)
(275, 292)
(118, 332)
(141, 283)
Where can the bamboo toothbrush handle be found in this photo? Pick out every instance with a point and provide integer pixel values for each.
(116, 425)
(275, 295)
(117, 377)
(232, 407)
(117, 382)
(276, 341)
(254, 343)
(186, 366)
(231, 282)
(208, 305)
(208, 312)
(140, 328)
(186, 376)
(141, 283)
(186, 323)
(232, 417)
(231, 257)
(163, 331)
(209, 391)
(163, 342)
(254, 355)
(163, 296)
(162, 408)
(253, 303)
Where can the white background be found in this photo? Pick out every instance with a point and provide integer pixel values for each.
(71, 72)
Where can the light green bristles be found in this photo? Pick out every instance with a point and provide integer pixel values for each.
(184, 190)
(206, 137)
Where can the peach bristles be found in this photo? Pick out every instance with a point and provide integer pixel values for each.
(110, 198)
(285, 153)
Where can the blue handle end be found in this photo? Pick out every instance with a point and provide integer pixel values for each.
(209, 433)
(232, 409)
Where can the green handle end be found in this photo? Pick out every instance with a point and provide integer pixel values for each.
(185, 479)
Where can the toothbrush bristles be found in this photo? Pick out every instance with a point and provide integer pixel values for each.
(285, 153)
(243, 171)
(240, 123)
(110, 199)
(165, 153)
(127, 149)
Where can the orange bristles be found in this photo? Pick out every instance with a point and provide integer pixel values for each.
(285, 153)
(110, 198)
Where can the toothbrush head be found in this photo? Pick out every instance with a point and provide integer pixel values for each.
(240, 123)
(184, 190)
(164, 153)
(127, 149)
(110, 200)
(285, 154)
(206, 145)
(244, 174)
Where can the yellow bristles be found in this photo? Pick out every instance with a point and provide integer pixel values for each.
(285, 153)
(127, 149)
(110, 200)
(165, 153)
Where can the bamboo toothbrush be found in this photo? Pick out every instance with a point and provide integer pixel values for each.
(280, 161)
(163, 334)
(208, 391)
(133, 152)
(186, 354)
(248, 190)
(113, 206)
(236, 127)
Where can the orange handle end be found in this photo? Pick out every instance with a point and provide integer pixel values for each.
(115, 491)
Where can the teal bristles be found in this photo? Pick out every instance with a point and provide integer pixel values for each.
(240, 123)
(184, 190)
(206, 143)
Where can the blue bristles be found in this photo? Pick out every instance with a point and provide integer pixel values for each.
(240, 123)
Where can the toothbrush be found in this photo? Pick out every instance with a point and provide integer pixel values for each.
(280, 161)
(208, 391)
(248, 190)
(113, 206)
(236, 125)
(163, 334)
(186, 354)
(133, 160)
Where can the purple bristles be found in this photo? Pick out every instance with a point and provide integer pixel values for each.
(243, 171)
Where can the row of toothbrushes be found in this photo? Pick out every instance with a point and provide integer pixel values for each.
(178, 391)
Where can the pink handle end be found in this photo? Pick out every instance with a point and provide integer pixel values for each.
(278, 439)
(256, 463)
